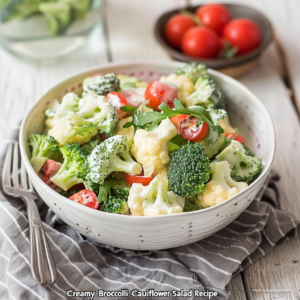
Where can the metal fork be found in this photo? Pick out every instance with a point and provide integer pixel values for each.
(16, 184)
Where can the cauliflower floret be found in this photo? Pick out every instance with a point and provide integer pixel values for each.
(215, 194)
(154, 199)
(221, 187)
(150, 147)
(183, 84)
(224, 123)
(129, 132)
(61, 126)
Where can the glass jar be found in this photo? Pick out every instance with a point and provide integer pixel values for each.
(46, 31)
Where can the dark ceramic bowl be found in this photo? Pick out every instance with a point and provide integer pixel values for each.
(236, 11)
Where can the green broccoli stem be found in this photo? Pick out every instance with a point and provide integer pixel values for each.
(65, 178)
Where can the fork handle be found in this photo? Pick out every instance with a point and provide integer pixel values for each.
(42, 264)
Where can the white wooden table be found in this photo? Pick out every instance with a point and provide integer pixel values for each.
(276, 81)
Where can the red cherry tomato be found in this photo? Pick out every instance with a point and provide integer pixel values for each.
(117, 100)
(157, 93)
(190, 131)
(242, 34)
(176, 27)
(238, 137)
(176, 120)
(50, 168)
(214, 16)
(200, 42)
(131, 179)
(87, 198)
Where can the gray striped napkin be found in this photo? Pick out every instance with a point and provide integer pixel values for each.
(85, 266)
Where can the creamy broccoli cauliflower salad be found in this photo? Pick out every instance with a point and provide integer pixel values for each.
(128, 147)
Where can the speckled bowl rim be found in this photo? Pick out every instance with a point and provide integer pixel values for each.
(216, 63)
(86, 210)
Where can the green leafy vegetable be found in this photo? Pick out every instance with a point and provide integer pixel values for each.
(210, 116)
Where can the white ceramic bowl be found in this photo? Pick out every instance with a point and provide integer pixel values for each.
(160, 232)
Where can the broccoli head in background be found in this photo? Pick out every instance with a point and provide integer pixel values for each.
(112, 155)
(189, 170)
(192, 70)
(207, 93)
(73, 170)
(102, 85)
(42, 147)
(57, 14)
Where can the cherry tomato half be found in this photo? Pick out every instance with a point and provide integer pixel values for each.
(190, 131)
(214, 16)
(50, 168)
(176, 27)
(87, 198)
(176, 120)
(200, 42)
(157, 93)
(238, 137)
(131, 179)
(117, 100)
(242, 34)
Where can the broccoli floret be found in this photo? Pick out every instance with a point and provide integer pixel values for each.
(154, 199)
(121, 190)
(73, 126)
(116, 205)
(175, 143)
(42, 147)
(112, 155)
(192, 70)
(207, 93)
(73, 170)
(189, 170)
(79, 8)
(245, 166)
(96, 114)
(191, 204)
(98, 111)
(102, 84)
(70, 102)
(58, 16)
(90, 146)
(247, 170)
(248, 151)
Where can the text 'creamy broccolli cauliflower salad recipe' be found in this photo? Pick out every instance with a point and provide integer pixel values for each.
(128, 147)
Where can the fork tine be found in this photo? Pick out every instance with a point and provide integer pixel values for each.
(6, 167)
(15, 175)
(23, 176)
